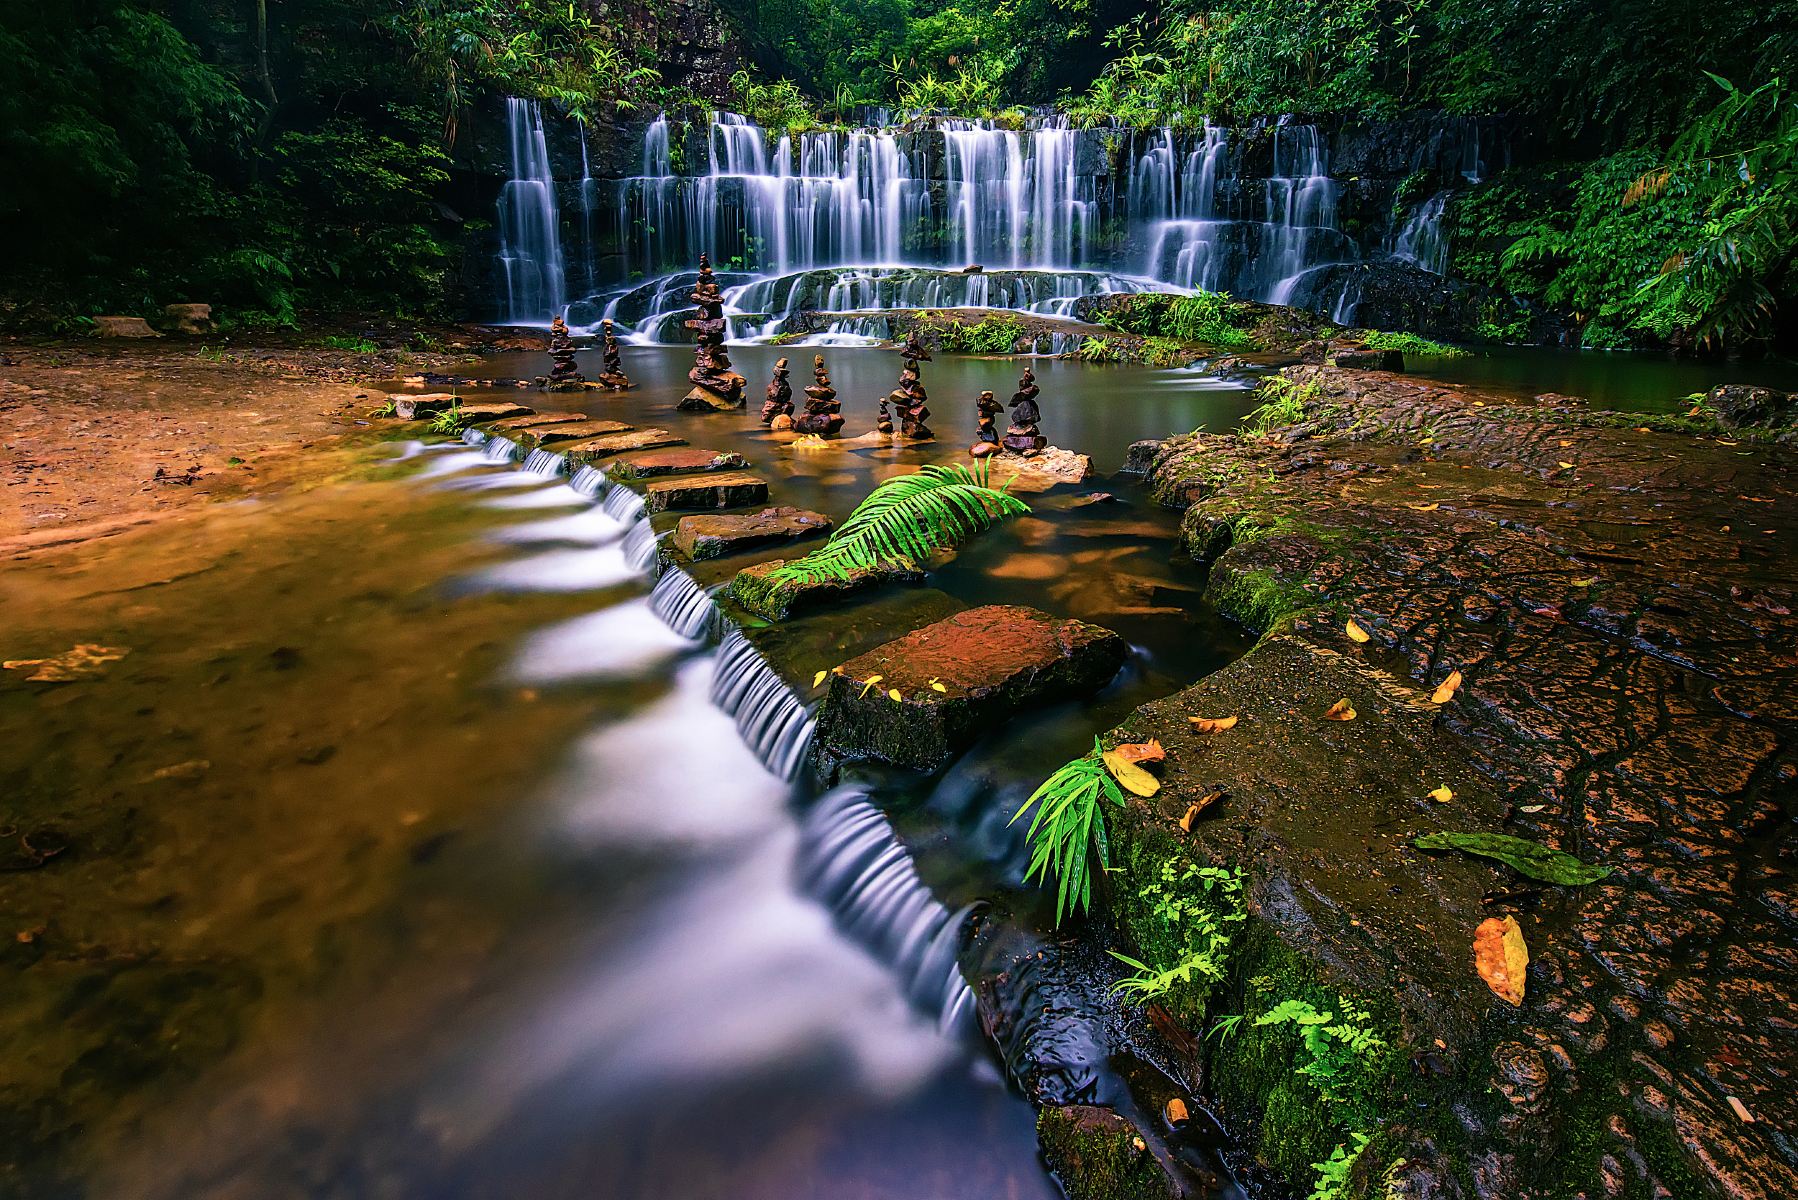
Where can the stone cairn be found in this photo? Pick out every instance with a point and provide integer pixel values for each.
(884, 422)
(716, 388)
(823, 416)
(613, 377)
(1022, 436)
(777, 409)
(986, 437)
(909, 397)
(562, 374)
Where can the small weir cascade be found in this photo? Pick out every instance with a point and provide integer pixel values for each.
(939, 212)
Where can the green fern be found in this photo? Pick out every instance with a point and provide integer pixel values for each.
(904, 521)
(1068, 830)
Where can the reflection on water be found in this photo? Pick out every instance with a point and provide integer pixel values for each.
(1627, 381)
(411, 852)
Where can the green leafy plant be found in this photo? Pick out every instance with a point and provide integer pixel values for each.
(1523, 856)
(1333, 1172)
(1333, 1047)
(1282, 403)
(904, 521)
(996, 333)
(1194, 909)
(1410, 343)
(1098, 350)
(1067, 834)
(355, 345)
(450, 420)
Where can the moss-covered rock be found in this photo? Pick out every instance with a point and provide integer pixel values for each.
(1098, 1155)
(760, 590)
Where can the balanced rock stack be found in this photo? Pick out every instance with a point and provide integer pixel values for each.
(716, 388)
(613, 377)
(823, 415)
(986, 437)
(777, 409)
(1023, 437)
(562, 374)
(909, 397)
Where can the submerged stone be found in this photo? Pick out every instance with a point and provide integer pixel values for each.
(568, 431)
(778, 599)
(989, 663)
(714, 536)
(682, 461)
(732, 490)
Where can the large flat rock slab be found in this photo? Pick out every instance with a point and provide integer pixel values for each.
(734, 489)
(716, 535)
(684, 460)
(1054, 467)
(568, 431)
(606, 445)
(989, 663)
(1615, 594)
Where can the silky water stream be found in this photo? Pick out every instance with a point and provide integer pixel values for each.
(422, 846)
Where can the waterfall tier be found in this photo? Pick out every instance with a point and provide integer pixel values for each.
(940, 212)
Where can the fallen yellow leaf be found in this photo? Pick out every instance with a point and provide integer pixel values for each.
(1442, 795)
(1566, 466)
(1424, 507)
(1212, 724)
(1585, 583)
(819, 678)
(1445, 691)
(1133, 777)
(1198, 806)
(869, 686)
(893, 694)
(1355, 632)
(1342, 710)
(1501, 958)
(936, 686)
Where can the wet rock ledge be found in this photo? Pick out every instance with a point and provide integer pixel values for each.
(1617, 594)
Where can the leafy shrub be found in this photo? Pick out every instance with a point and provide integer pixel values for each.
(1208, 317)
(996, 333)
(1068, 832)
(1410, 343)
(1098, 350)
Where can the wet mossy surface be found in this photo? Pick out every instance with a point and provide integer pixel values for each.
(1097, 1155)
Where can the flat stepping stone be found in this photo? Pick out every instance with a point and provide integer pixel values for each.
(417, 408)
(569, 431)
(714, 536)
(777, 599)
(682, 461)
(535, 419)
(990, 663)
(733, 490)
(592, 449)
(1040, 472)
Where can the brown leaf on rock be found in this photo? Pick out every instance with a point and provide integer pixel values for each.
(1342, 710)
(1198, 806)
(1176, 1112)
(1212, 724)
(1141, 753)
(1445, 691)
(1501, 958)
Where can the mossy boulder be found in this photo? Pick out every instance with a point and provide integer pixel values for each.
(761, 592)
(1098, 1155)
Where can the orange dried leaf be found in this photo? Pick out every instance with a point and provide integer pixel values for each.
(1355, 632)
(1212, 724)
(1445, 691)
(1198, 806)
(1342, 710)
(1501, 958)
(1150, 751)
(1176, 1112)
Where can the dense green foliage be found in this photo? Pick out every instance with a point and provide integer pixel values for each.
(1067, 834)
(261, 157)
(1210, 318)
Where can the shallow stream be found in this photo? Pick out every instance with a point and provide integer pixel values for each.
(409, 852)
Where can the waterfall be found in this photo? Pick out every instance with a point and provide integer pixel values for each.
(1422, 239)
(858, 220)
(850, 860)
(773, 721)
(544, 462)
(589, 481)
(685, 605)
(530, 230)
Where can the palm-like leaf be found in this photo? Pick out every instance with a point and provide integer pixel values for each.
(905, 520)
(1069, 829)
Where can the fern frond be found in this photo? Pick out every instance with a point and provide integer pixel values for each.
(904, 521)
